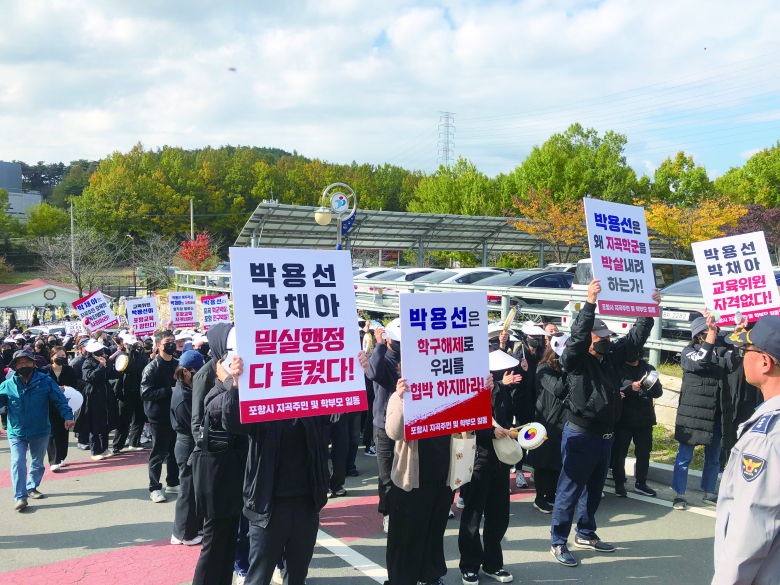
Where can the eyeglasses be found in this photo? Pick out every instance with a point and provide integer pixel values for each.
(743, 351)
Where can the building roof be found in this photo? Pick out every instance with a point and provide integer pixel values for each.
(12, 290)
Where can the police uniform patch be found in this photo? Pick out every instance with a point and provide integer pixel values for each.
(761, 426)
(752, 466)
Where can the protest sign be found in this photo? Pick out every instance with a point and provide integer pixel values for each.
(620, 252)
(142, 314)
(184, 310)
(74, 328)
(736, 275)
(444, 342)
(95, 311)
(215, 310)
(297, 333)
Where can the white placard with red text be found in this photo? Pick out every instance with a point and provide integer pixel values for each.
(215, 310)
(297, 333)
(444, 343)
(736, 275)
(95, 311)
(620, 252)
(184, 309)
(142, 314)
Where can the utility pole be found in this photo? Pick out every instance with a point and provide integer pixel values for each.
(72, 245)
(446, 138)
(135, 288)
(192, 222)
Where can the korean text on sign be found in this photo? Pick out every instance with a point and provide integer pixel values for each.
(297, 333)
(215, 310)
(184, 311)
(620, 252)
(95, 311)
(142, 314)
(445, 362)
(736, 275)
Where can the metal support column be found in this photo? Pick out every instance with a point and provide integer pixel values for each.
(541, 254)
(484, 252)
(504, 307)
(655, 335)
(420, 253)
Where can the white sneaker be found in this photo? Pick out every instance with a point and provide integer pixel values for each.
(62, 464)
(108, 453)
(97, 458)
(55, 467)
(157, 497)
(171, 489)
(82, 447)
(195, 541)
(136, 449)
(461, 503)
(520, 480)
(385, 523)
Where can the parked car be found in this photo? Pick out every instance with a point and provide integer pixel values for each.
(57, 330)
(399, 275)
(531, 278)
(218, 279)
(459, 275)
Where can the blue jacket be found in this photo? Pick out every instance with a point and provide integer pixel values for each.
(28, 405)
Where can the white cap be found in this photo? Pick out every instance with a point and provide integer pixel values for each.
(128, 338)
(558, 343)
(183, 335)
(495, 329)
(199, 338)
(9, 340)
(500, 360)
(393, 330)
(20, 336)
(531, 328)
(94, 345)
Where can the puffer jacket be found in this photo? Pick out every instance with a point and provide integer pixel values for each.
(638, 408)
(100, 412)
(551, 412)
(28, 405)
(157, 385)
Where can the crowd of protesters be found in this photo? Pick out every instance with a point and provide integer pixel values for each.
(251, 494)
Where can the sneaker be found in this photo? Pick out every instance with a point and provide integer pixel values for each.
(543, 506)
(461, 503)
(620, 490)
(55, 467)
(520, 480)
(20, 505)
(502, 576)
(171, 489)
(116, 451)
(531, 478)
(451, 515)
(157, 497)
(679, 503)
(35, 494)
(370, 451)
(711, 500)
(62, 464)
(469, 578)
(437, 582)
(338, 493)
(594, 544)
(135, 448)
(353, 473)
(563, 556)
(108, 453)
(97, 458)
(645, 489)
(385, 523)
(603, 495)
(194, 542)
(82, 447)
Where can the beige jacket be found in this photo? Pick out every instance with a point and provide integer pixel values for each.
(406, 461)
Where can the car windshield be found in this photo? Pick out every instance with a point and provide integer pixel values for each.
(390, 275)
(356, 272)
(437, 276)
(376, 274)
(513, 279)
(688, 287)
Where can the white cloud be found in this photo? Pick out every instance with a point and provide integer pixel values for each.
(746, 154)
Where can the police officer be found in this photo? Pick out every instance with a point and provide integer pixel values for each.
(749, 498)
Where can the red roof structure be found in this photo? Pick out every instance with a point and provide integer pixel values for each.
(10, 290)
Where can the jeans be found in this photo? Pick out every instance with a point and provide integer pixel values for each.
(21, 480)
(709, 477)
(585, 463)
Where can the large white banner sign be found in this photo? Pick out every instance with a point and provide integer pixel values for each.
(184, 309)
(296, 332)
(95, 311)
(142, 314)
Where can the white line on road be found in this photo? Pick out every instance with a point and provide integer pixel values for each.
(659, 502)
(352, 557)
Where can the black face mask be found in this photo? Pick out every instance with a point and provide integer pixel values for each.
(533, 343)
(176, 353)
(25, 372)
(603, 347)
(395, 346)
(204, 350)
(169, 348)
(60, 361)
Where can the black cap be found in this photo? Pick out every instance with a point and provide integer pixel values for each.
(22, 353)
(765, 335)
(600, 329)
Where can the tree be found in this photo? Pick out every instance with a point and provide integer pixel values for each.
(560, 225)
(678, 227)
(681, 182)
(154, 256)
(577, 164)
(756, 182)
(95, 254)
(198, 254)
(73, 184)
(44, 220)
(9, 225)
(760, 219)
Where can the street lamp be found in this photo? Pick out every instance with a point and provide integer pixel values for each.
(338, 203)
(135, 288)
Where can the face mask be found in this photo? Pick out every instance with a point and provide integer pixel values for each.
(395, 346)
(533, 343)
(169, 348)
(60, 361)
(630, 359)
(25, 372)
(603, 347)
(176, 353)
(204, 350)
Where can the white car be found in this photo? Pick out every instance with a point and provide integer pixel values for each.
(365, 282)
(459, 275)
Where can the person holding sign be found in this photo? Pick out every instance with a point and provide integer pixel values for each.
(591, 362)
(99, 414)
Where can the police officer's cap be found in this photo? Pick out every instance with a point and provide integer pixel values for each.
(765, 335)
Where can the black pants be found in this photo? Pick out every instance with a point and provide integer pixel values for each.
(337, 434)
(415, 539)
(186, 523)
(368, 427)
(546, 481)
(353, 434)
(58, 439)
(131, 424)
(384, 457)
(643, 444)
(292, 530)
(163, 444)
(215, 564)
(488, 495)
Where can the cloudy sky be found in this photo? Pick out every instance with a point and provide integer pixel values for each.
(366, 80)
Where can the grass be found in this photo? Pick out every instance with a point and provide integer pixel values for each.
(670, 369)
(665, 449)
(16, 277)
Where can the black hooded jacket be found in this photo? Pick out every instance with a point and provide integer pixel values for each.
(204, 380)
(157, 384)
(638, 409)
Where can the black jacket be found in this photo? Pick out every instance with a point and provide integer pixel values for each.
(99, 413)
(181, 409)
(550, 412)
(157, 388)
(638, 408)
(264, 442)
(524, 393)
(128, 382)
(501, 400)
(204, 380)
(67, 376)
(702, 397)
(383, 372)
(77, 363)
(594, 385)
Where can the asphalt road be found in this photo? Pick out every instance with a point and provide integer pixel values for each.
(97, 526)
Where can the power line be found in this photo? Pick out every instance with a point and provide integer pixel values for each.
(446, 138)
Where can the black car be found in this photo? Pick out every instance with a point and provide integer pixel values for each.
(531, 279)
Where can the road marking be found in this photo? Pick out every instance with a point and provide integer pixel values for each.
(352, 557)
(659, 502)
